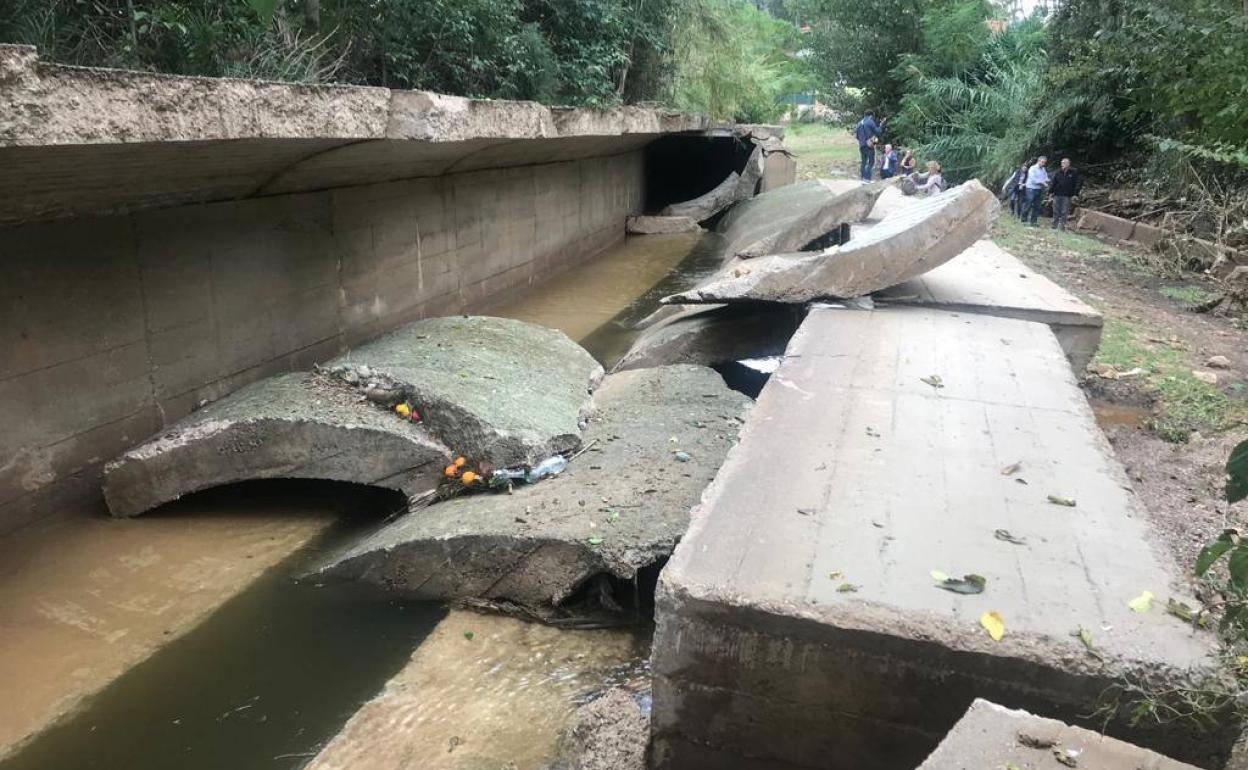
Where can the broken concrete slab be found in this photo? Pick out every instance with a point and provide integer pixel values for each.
(992, 736)
(653, 225)
(715, 334)
(619, 507)
(492, 389)
(906, 243)
(988, 279)
(496, 390)
(708, 204)
(792, 217)
(797, 622)
(750, 175)
(291, 426)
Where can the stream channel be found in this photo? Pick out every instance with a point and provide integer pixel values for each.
(268, 678)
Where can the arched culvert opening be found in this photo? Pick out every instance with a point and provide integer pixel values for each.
(348, 503)
(605, 600)
(683, 167)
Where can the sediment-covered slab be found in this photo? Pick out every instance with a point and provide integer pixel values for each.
(294, 426)
(620, 506)
(799, 624)
(708, 204)
(495, 390)
(905, 244)
(651, 225)
(988, 279)
(492, 389)
(788, 219)
(710, 335)
(992, 736)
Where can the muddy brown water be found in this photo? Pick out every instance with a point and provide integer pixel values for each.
(273, 674)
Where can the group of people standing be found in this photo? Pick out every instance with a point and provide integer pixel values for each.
(869, 132)
(1027, 186)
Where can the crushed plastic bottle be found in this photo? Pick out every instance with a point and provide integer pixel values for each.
(551, 466)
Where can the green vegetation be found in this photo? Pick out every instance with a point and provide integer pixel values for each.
(1186, 403)
(1189, 296)
(820, 147)
(726, 58)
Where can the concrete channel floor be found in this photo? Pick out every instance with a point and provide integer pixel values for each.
(798, 622)
(84, 597)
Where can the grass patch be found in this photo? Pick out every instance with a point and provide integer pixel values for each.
(1189, 296)
(1186, 403)
(820, 148)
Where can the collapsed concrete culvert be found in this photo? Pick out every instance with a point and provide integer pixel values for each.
(290, 426)
(619, 507)
(655, 225)
(903, 245)
(498, 391)
(709, 204)
(712, 335)
(791, 218)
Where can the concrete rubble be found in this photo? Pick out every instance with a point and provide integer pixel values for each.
(989, 280)
(655, 225)
(608, 733)
(496, 390)
(708, 204)
(713, 334)
(905, 244)
(798, 624)
(992, 736)
(619, 507)
(792, 217)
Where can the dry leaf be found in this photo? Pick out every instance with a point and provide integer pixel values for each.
(993, 624)
(1011, 469)
(1069, 502)
(1142, 603)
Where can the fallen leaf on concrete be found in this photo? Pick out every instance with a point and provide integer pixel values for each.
(1005, 536)
(939, 576)
(993, 624)
(806, 511)
(933, 380)
(836, 574)
(468, 635)
(1035, 741)
(1011, 469)
(1066, 501)
(594, 541)
(846, 588)
(1142, 603)
(1183, 611)
(1068, 757)
(968, 584)
(1085, 638)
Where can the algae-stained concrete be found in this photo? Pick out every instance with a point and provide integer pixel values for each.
(292, 426)
(798, 622)
(493, 389)
(905, 244)
(988, 279)
(992, 736)
(654, 225)
(496, 390)
(620, 506)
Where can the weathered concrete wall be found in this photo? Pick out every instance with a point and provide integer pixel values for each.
(114, 326)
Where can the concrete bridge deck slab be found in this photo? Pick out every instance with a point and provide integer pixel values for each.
(798, 622)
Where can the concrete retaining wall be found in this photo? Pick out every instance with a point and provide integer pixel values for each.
(114, 326)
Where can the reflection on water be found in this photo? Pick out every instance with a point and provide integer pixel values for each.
(599, 303)
(484, 692)
(271, 676)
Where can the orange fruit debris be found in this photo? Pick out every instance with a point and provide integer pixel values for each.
(469, 477)
(459, 462)
(451, 470)
(404, 410)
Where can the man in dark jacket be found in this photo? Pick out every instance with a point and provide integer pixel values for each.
(868, 135)
(1064, 186)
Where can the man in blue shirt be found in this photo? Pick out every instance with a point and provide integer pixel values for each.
(868, 133)
(1037, 183)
